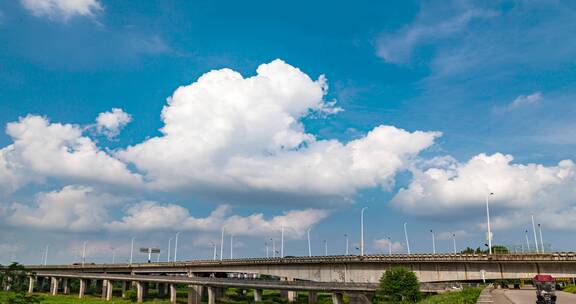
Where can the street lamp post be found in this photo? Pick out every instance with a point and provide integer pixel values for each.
(433, 241)
(46, 255)
(176, 247)
(362, 231)
(273, 247)
(222, 244)
(489, 236)
(231, 246)
(282, 243)
(454, 241)
(213, 250)
(346, 236)
(169, 248)
(266, 245)
(406, 235)
(309, 245)
(534, 230)
(527, 241)
(84, 253)
(325, 248)
(389, 246)
(131, 250)
(541, 240)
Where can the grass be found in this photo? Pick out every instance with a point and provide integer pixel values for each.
(570, 289)
(466, 296)
(235, 296)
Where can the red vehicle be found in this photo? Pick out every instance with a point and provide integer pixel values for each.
(545, 289)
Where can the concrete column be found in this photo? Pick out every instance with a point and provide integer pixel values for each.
(312, 297)
(65, 285)
(124, 289)
(31, 284)
(54, 286)
(173, 293)
(108, 288)
(292, 296)
(211, 295)
(194, 294)
(337, 298)
(284, 293)
(83, 283)
(257, 295)
(104, 290)
(139, 292)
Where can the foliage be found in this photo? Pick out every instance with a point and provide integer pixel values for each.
(399, 285)
(132, 295)
(22, 298)
(495, 249)
(570, 289)
(15, 276)
(466, 296)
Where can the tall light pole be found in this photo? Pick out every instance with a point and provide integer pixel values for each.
(176, 246)
(84, 253)
(454, 241)
(231, 246)
(113, 255)
(534, 230)
(222, 244)
(131, 250)
(169, 249)
(346, 237)
(214, 251)
(433, 241)
(489, 236)
(266, 245)
(309, 245)
(325, 248)
(389, 245)
(527, 241)
(46, 254)
(362, 230)
(282, 243)
(541, 241)
(406, 235)
(273, 247)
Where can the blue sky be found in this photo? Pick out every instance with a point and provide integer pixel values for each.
(423, 108)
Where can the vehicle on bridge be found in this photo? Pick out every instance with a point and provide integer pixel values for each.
(545, 289)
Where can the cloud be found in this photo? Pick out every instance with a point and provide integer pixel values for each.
(42, 149)
(226, 133)
(428, 27)
(384, 244)
(110, 123)
(461, 187)
(155, 216)
(76, 208)
(62, 9)
(448, 235)
(523, 100)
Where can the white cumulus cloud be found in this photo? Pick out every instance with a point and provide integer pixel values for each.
(42, 149)
(110, 123)
(245, 135)
(384, 245)
(519, 189)
(525, 100)
(62, 8)
(156, 216)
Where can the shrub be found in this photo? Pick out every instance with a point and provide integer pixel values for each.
(131, 295)
(399, 285)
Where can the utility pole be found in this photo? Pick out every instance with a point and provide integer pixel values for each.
(309, 246)
(406, 235)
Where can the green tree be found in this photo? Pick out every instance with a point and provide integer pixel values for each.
(399, 285)
(15, 280)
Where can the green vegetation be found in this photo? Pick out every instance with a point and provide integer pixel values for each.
(570, 289)
(399, 285)
(495, 249)
(14, 279)
(466, 296)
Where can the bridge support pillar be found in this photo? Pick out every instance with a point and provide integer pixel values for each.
(108, 287)
(337, 298)
(65, 285)
(124, 289)
(312, 297)
(54, 286)
(194, 294)
(139, 292)
(292, 296)
(82, 290)
(173, 293)
(211, 295)
(31, 284)
(103, 289)
(257, 295)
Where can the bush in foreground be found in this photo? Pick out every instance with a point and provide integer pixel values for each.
(466, 296)
(399, 285)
